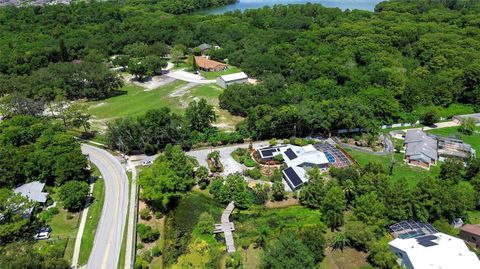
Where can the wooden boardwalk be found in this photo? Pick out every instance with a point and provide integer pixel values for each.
(227, 227)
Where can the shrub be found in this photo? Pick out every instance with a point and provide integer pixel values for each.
(253, 173)
(147, 256)
(273, 142)
(276, 176)
(249, 162)
(468, 126)
(45, 216)
(158, 215)
(234, 261)
(140, 263)
(140, 245)
(156, 251)
(147, 234)
(73, 194)
(69, 215)
(205, 223)
(145, 214)
(278, 158)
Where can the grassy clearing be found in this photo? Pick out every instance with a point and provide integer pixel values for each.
(176, 96)
(213, 75)
(401, 171)
(474, 216)
(93, 217)
(473, 140)
(64, 230)
(349, 258)
(134, 102)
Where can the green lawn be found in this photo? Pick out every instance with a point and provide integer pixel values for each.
(213, 75)
(249, 223)
(401, 171)
(473, 140)
(93, 217)
(176, 96)
(64, 230)
(135, 102)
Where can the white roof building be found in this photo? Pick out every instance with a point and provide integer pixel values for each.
(434, 251)
(227, 80)
(234, 77)
(298, 159)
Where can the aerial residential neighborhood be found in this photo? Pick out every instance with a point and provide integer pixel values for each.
(239, 134)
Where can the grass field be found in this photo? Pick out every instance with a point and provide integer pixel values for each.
(176, 96)
(213, 75)
(93, 217)
(401, 171)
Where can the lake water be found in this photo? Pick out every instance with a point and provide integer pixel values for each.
(252, 4)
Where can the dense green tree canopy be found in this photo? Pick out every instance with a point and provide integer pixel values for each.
(35, 149)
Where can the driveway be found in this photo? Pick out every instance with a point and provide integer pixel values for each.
(229, 164)
(108, 237)
(189, 77)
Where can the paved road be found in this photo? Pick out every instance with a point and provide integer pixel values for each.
(109, 234)
(189, 77)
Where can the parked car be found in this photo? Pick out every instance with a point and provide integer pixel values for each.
(43, 233)
(148, 162)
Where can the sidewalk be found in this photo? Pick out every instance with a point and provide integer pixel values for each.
(131, 222)
(78, 240)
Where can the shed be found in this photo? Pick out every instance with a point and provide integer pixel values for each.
(236, 78)
(471, 233)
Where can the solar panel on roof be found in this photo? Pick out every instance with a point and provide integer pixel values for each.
(427, 243)
(293, 177)
(290, 154)
(268, 152)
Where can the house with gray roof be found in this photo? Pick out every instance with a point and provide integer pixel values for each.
(33, 191)
(420, 149)
(203, 47)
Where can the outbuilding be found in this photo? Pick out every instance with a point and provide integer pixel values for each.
(471, 233)
(236, 78)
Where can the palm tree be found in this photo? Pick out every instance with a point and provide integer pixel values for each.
(339, 241)
(349, 190)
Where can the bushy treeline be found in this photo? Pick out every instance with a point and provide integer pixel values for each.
(69, 80)
(187, 6)
(151, 132)
(35, 149)
(322, 69)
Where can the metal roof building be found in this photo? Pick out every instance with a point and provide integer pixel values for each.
(236, 78)
(421, 149)
(33, 191)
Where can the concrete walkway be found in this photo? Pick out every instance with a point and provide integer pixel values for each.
(131, 222)
(189, 77)
(78, 240)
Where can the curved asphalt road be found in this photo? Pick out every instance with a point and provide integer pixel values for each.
(109, 234)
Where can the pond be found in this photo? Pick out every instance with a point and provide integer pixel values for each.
(253, 4)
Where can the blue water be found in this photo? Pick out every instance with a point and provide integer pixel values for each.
(253, 4)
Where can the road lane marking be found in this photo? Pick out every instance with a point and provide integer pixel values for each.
(117, 177)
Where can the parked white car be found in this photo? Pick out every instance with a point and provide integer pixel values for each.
(148, 162)
(43, 233)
